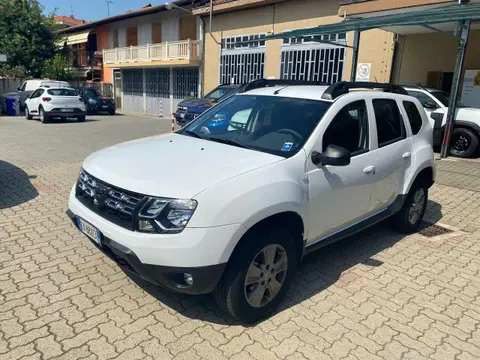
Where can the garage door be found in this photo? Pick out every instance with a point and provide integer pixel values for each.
(132, 87)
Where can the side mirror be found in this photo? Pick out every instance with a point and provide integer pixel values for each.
(18, 89)
(333, 155)
(430, 105)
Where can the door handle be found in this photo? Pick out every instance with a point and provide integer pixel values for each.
(369, 170)
(406, 155)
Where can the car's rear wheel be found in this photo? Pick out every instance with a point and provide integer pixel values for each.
(28, 116)
(258, 275)
(44, 118)
(112, 112)
(81, 118)
(464, 143)
(409, 218)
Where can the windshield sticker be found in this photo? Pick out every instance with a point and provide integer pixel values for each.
(287, 146)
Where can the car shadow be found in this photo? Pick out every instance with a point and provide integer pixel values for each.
(15, 186)
(318, 271)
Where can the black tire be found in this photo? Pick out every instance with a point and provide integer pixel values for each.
(111, 112)
(28, 116)
(404, 221)
(81, 118)
(464, 143)
(44, 118)
(230, 293)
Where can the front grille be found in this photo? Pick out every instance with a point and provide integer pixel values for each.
(112, 203)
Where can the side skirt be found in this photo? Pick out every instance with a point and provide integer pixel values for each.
(355, 228)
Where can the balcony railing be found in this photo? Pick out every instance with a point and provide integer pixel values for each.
(85, 59)
(169, 50)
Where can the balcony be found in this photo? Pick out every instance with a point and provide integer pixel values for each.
(180, 52)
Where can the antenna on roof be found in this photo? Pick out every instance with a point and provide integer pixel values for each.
(71, 9)
(108, 2)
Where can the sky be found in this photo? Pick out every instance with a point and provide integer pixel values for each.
(94, 9)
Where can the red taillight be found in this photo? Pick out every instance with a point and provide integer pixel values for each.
(47, 99)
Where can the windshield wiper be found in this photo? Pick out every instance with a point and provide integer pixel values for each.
(229, 142)
(192, 133)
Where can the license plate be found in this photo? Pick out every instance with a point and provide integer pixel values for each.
(105, 107)
(90, 231)
(182, 116)
(66, 110)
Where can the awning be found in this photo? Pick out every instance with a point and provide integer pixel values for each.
(78, 38)
(429, 17)
(73, 39)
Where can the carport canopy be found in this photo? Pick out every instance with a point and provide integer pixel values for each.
(459, 16)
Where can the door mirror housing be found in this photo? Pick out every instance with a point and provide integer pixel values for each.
(334, 155)
(430, 105)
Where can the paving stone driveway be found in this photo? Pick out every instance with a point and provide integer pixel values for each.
(378, 295)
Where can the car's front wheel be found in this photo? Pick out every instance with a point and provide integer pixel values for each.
(258, 275)
(81, 118)
(464, 143)
(28, 116)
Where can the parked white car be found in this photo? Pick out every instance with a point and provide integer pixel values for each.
(49, 103)
(233, 209)
(466, 134)
(29, 86)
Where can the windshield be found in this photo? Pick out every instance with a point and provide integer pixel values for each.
(219, 93)
(62, 92)
(271, 124)
(444, 98)
(92, 92)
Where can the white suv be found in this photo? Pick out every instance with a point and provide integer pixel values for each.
(57, 102)
(232, 207)
(466, 134)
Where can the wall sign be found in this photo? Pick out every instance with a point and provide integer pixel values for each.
(363, 72)
(471, 88)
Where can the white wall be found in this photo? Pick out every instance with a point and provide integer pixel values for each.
(170, 27)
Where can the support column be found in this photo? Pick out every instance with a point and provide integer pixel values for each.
(356, 44)
(144, 92)
(452, 106)
(172, 110)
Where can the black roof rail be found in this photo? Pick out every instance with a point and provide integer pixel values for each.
(262, 83)
(343, 87)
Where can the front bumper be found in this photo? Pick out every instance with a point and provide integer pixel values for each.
(172, 278)
(162, 259)
(187, 117)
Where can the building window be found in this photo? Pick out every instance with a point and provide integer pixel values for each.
(241, 68)
(158, 82)
(340, 37)
(133, 82)
(185, 83)
(243, 42)
(314, 64)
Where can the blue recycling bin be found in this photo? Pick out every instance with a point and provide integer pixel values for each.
(10, 105)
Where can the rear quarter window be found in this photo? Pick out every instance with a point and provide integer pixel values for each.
(414, 116)
(62, 92)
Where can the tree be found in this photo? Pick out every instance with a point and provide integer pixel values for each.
(26, 36)
(57, 68)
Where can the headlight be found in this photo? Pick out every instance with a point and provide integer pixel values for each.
(92, 101)
(161, 215)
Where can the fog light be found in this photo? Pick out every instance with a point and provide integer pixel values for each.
(145, 225)
(188, 278)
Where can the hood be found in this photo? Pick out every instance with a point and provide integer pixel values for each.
(195, 103)
(469, 114)
(173, 165)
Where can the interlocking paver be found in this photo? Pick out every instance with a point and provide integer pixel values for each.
(380, 295)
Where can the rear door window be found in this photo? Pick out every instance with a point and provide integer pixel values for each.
(390, 126)
(414, 116)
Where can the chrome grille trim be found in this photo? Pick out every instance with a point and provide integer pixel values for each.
(116, 205)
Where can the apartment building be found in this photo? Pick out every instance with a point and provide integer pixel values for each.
(235, 50)
(151, 55)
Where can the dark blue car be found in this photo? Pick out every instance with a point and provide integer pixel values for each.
(188, 110)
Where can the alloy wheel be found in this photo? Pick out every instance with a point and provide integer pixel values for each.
(266, 275)
(416, 208)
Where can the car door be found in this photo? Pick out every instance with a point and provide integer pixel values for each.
(34, 101)
(22, 94)
(394, 150)
(339, 196)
